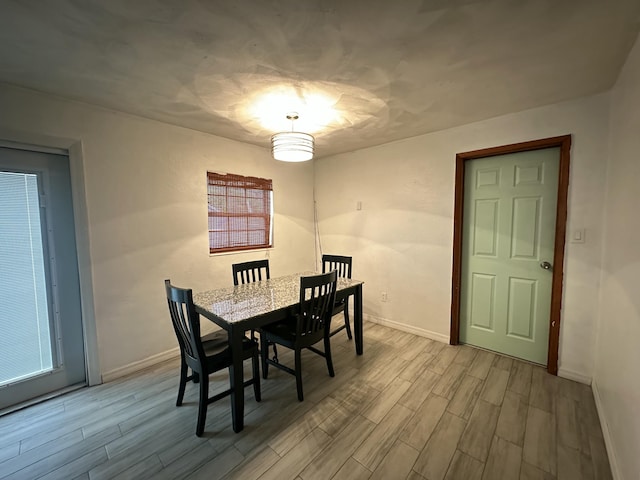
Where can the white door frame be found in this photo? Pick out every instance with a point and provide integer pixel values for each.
(564, 143)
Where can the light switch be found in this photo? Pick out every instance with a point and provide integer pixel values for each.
(577, 236)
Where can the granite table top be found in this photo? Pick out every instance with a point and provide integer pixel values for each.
(241, 302)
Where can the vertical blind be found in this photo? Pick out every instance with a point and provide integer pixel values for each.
(240, 215)
(25, 343)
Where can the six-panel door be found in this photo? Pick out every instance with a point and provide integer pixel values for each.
(507, 252)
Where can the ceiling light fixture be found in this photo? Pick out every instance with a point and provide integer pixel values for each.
(292, 146)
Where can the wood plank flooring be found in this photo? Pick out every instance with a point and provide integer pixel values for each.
(410, 408)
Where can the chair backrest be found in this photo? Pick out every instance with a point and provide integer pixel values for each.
(317, 297)
(337, 262)
(186, 323)
(249, 272)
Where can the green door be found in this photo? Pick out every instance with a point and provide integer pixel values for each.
(507, 250)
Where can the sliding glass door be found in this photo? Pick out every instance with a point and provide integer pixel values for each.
(41, 341)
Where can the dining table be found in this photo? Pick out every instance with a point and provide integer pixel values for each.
(242, 308)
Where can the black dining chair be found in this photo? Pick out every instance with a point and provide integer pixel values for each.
(309, 325)
(204, 355)
(249, 272)
(342, 265)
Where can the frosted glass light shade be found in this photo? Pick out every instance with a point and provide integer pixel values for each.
(292, 146)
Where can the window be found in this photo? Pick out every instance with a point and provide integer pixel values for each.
(24, 306)
(240, 215)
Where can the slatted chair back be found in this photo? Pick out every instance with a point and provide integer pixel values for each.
(337, 262)
(342, 265)
(249, 272)
(186, 323)
(317, 297)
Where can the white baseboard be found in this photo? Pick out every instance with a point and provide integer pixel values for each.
(575, 376)
(140, 365)
(615, 470)
(407, 328)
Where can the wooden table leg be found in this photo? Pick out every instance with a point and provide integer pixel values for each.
(357, 319)
(237, 380)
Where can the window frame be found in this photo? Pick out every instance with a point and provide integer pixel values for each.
(240, 210)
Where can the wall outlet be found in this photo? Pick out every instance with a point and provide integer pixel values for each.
(383, 296)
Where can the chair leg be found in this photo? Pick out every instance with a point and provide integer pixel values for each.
(256, 376)
(264, 352)
(347, 323)
(327, 355)
(183, 381)
(202, 404)
(298, 367)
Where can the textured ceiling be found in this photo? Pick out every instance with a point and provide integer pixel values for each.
(361, 73)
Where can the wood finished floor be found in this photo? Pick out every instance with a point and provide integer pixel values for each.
(410, 408)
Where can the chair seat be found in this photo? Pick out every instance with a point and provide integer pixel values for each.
(284, 330)
(216, 347)
(216, 343)
(338, 307)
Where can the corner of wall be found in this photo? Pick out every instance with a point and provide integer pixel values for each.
(613, 461)
(575, 376)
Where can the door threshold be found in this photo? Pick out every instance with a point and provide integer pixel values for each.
(504, 355)
(42, 398)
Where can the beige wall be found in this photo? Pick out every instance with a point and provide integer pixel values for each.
(616, 379)
(401, 240)
(146, 207)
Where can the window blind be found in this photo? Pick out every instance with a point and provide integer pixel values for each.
(25, 343)
(240, 212)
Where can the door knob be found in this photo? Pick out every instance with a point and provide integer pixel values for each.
(545, 265)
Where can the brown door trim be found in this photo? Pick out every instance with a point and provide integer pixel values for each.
(564, 142)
